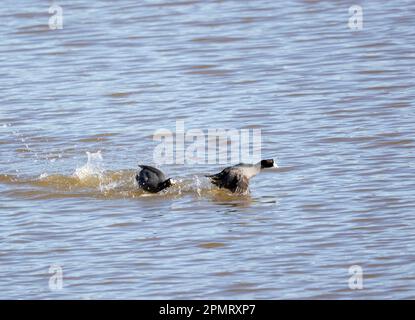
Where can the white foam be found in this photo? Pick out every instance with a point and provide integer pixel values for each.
(197, 185)
(43, 176)
(93, 167)
(275, 164)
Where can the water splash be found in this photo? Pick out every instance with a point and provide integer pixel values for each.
(21, 139)
(92, 180)
(93, 168)
(197, 186)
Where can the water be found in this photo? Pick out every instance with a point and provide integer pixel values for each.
(336, 109)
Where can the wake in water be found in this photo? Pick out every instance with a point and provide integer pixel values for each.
(92, 180)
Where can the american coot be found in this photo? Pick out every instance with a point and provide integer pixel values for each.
(236, 178)
(152, 180)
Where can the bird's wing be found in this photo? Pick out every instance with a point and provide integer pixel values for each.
(220, 179)
(240, 182)
(156, 171)
(231, 178)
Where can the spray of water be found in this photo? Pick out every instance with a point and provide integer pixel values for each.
(91, 179)
(93, 168)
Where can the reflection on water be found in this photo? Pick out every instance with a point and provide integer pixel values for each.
(335, 107)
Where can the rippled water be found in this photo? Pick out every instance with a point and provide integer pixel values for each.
(336, 109)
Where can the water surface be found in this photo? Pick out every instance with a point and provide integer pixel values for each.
(336, 109)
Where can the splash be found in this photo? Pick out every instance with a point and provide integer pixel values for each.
(197, 184)
(93, 168)
(21, 139)
(92, 180)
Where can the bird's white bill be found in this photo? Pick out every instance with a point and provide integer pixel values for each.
(173, 182)
(275, 164)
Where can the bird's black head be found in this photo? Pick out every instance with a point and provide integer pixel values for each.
(267, 163)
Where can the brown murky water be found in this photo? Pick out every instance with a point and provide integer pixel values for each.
(335, 107)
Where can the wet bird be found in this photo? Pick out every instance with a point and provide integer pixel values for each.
(152, 180)
(236, 178)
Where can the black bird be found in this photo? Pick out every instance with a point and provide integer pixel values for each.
(152, 180)
(236, 178)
